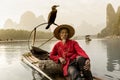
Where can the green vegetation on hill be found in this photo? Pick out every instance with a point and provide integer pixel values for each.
(12, 34)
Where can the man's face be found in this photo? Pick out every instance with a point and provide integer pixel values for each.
(64, 34)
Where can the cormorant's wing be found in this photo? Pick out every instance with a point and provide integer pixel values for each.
(49, 15)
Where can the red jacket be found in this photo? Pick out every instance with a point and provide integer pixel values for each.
(69, 51)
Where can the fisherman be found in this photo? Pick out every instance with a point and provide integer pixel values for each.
(75, 62)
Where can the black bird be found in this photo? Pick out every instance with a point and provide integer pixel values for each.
(52, 16)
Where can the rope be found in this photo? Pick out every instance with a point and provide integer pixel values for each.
(46, 41)
(34, 37)
(32, 32)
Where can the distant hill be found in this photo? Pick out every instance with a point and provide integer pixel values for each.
(112, 22)
(27, 22)
(87, 29)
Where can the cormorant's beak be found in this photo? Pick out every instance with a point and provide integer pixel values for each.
(57, 5)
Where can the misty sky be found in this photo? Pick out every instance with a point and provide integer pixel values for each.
(70, 11)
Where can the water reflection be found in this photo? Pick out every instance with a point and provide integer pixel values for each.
(113, 55)
(37, 76)
(11, 51)
(104, 55)
(8, 56)
(87, 42)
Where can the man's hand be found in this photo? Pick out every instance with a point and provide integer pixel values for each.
(62, 60)
(87, 65)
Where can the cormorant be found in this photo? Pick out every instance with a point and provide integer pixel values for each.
(52, 16)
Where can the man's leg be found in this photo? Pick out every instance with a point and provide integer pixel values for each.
(73, 73)
(88, 74)
(81, 63)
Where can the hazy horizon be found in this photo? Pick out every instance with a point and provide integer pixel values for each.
(77, 12)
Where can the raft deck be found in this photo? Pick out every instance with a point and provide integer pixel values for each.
(47, 68)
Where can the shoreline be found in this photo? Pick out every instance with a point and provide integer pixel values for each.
(37, 40)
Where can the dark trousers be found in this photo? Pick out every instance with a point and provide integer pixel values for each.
(77, 72)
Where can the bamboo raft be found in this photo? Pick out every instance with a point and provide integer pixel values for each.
(49, 69)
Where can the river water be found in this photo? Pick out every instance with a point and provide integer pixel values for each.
(104, 55)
